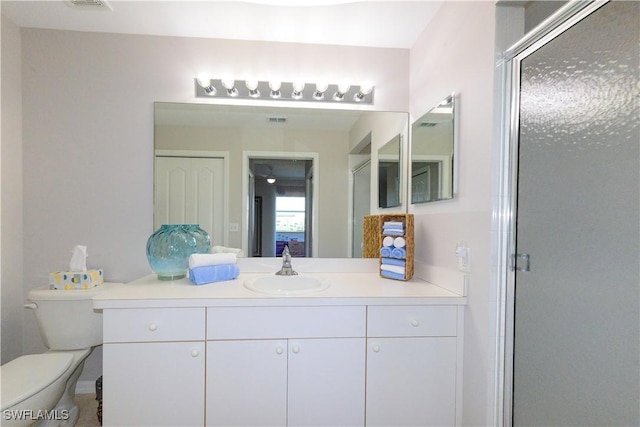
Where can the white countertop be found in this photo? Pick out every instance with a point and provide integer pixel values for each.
(360, 288)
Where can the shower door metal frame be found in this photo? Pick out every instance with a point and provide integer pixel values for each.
(505, 209)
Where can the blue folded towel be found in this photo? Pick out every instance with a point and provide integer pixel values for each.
(392, 275)
(213, 273)
(393, 232)
(393, 261)
(385, 251)
(400, 253)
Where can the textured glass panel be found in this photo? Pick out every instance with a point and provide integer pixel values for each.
(577, 310)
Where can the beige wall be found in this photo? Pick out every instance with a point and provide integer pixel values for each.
(455, 53)
(11, 243)
(88, 134)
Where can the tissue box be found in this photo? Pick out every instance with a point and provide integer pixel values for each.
(75, 280)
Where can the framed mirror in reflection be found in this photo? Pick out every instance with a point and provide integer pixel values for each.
(258, 156)
(433, 152)
(389, 178)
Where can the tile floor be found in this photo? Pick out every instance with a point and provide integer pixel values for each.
(88, 406)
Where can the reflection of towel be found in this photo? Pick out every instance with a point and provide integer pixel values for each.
(224, 250)
(399, 242)
(392, 275)
(400, 253)
(201, 260)
(385, 251)
(213, 273)
(392, 268)
(393, 261)
(388, 241)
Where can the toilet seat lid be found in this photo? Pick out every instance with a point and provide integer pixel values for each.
(27, 375)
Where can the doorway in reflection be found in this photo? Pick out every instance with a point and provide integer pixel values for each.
(280, 214)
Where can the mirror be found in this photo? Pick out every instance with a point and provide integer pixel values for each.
(389, 173)
(432, 153)
(212, 162)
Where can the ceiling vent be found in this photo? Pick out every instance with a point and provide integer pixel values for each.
(89, 5)
(277, 119)
(427, 124)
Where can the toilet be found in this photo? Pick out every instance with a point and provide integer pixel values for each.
(38, 389)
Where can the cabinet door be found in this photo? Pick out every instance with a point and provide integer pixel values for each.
(246, 383)
(153, 384)
(411, 381)
(326, 382)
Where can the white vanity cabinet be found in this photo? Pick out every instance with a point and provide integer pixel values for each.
(283, 366)
(154, 367)
(412, 359)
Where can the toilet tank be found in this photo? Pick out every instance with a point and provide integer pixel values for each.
(66, 318)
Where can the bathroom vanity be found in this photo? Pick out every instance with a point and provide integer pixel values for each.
(365, 351)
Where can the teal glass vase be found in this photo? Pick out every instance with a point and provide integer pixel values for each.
(169, 248)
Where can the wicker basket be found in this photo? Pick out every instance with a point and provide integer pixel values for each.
(371, 237)
(407, 220)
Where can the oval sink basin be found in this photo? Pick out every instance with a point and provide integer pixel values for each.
(286, 285)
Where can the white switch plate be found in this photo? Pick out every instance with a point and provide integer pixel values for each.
(463, 253)
(234, 226)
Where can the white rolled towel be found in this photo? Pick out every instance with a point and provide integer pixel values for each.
(392, 268)
(202, 260)
(387, 241)
(399, 242)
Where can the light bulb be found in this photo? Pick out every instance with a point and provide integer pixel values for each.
(252, 85)
(204, 81)
(321, 87)
(342, 90)
(365, 89)
(298, 87)
(275, 89)
(229, 85)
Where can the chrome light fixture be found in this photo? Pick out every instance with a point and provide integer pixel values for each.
(341, 92)
(230, 86)
(205, 83)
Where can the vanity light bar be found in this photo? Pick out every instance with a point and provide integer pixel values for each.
(283, 91)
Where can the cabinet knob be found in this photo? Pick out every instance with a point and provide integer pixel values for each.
(295, 349)
(153, 327)
(195, 352)
(279, 349)
(415, 322)
(375, 348)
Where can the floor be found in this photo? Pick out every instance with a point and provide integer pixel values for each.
(88, 406)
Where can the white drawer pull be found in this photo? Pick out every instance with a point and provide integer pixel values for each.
(376, 348)
(279, 349)
(296, 349)
(195, 352)
(153, 327)
(415, 322)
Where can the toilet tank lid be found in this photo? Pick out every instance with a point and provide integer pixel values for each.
(43, 293)
(27, 375)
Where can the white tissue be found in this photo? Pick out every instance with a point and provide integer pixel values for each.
(78, 261)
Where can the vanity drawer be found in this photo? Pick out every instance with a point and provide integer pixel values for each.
(411, 321)
(285, 322)
(154, 324)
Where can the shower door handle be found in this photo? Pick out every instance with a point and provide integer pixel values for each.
(521, 263)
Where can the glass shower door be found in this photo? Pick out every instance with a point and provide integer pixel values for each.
(576, 344)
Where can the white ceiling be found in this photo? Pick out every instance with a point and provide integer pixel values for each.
(391, 24)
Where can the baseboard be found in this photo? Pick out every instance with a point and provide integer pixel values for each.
(86, 387)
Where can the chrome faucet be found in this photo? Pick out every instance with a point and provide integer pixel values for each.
(286, 269)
